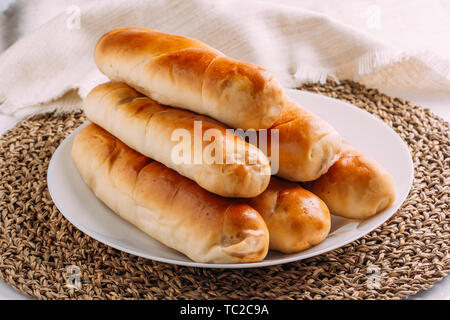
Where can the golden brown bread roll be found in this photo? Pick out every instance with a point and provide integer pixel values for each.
(296, 218)
(308, 145)
(188, 74)
(167, 206)
(238, 169)
(356, 186)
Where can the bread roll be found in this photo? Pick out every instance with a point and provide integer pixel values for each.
(356, 186)
(237, 169)
(188, 74)
(296, 218)
(167, 206)
(308, 145)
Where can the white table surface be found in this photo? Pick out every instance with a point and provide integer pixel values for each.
(437, 103)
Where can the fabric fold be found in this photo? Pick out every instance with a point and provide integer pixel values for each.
(51, 68)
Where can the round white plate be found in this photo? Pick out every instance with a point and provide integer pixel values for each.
(79, 205)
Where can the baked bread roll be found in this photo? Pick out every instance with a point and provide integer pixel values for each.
(167, 206)
(296, 218)
(188, 74)
(308, 145)
(230, 168)
(356, 186)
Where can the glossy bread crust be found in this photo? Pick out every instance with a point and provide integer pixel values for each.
(188, 74)
(356, 186)
(167, 206)
(151, 129)
(296, 218)
(308, 145)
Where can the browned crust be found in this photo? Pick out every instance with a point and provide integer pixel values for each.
(152, 185)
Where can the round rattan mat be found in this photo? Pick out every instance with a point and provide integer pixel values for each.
(410, 252)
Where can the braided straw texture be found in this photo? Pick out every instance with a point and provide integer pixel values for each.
(408, 253)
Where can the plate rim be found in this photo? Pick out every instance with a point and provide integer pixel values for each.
(289, 259)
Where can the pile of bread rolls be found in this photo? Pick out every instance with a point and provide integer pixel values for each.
(231, 210)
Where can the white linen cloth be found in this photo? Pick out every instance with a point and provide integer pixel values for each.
(383, 44)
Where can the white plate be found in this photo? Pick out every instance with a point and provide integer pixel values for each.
(79, 205)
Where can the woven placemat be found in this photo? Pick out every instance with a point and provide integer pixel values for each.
(42, 253)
